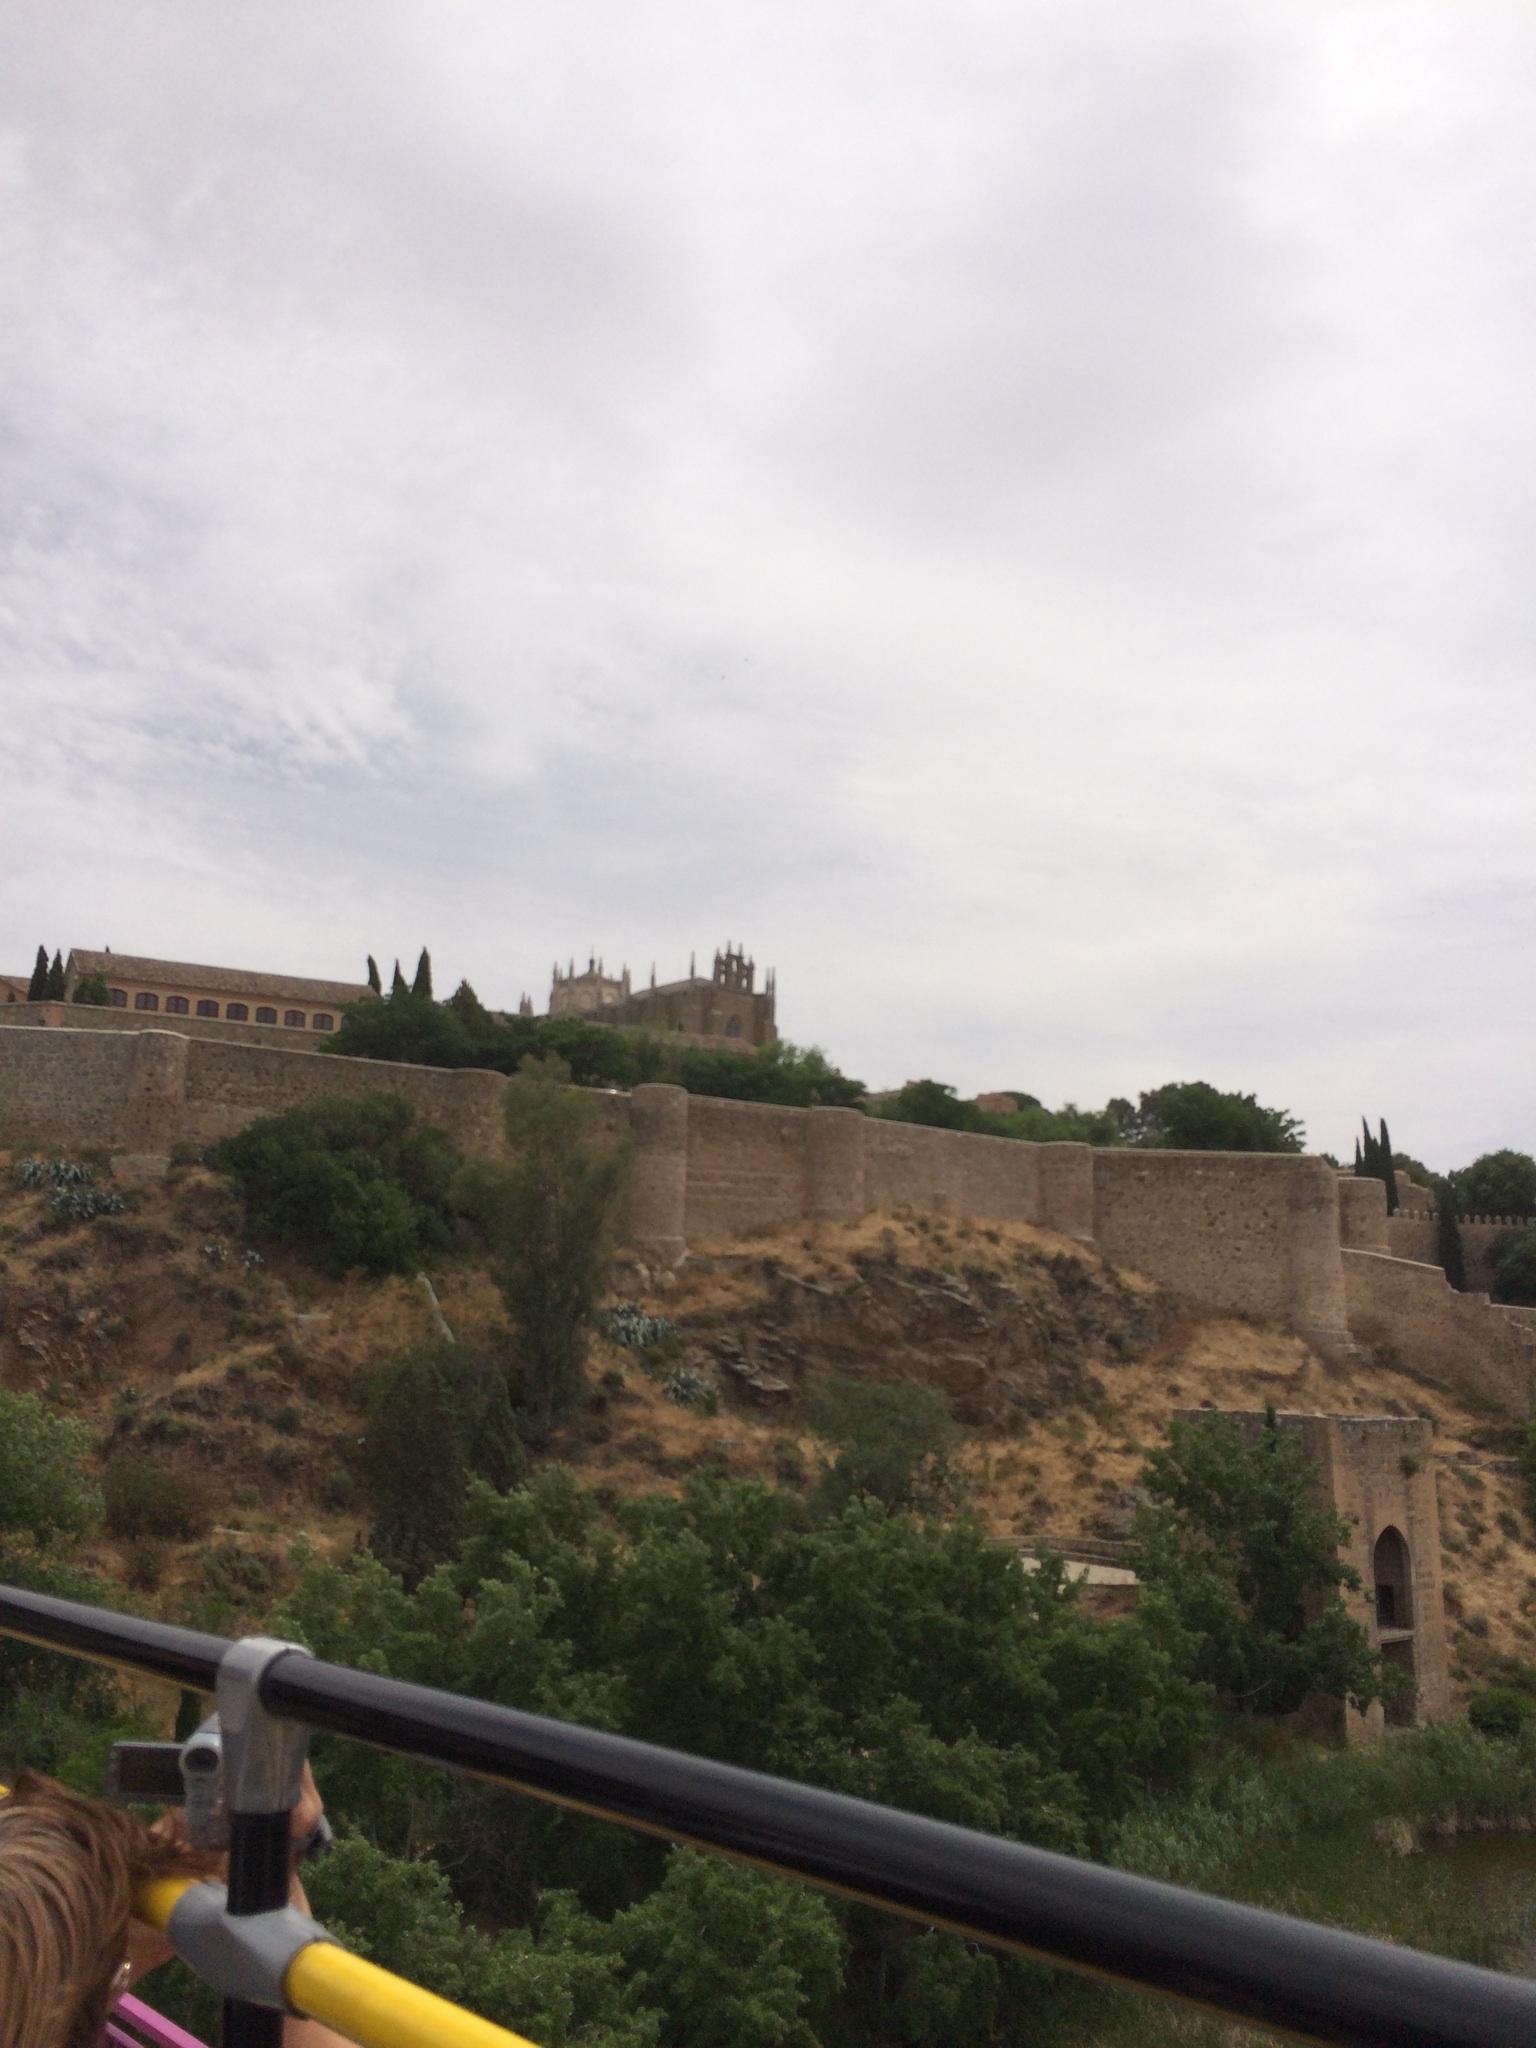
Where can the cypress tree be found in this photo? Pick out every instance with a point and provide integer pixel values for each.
(1448, 1245)
(373, 976)
(398, 986)
(1359, 1161)
(422, 985)
(37, 987)
(56, 979)
(1388, 1170)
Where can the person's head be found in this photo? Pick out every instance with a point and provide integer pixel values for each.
(68, 1866)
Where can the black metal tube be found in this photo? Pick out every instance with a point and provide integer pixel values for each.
(1313, 1982)
(258, 1883)
(184, 1655)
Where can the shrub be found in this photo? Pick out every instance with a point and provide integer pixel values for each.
(894, 1444)
(352, 1183)
(438, 1416)
(546, 1219)
(1514, 1268)
(1500, 1710)
(628, 1324)
(147, 1500)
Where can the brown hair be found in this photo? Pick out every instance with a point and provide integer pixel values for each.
(68, 1866)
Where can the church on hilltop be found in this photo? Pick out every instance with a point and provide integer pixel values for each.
(724, 1007)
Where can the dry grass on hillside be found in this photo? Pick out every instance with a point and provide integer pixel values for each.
(1062, 1371)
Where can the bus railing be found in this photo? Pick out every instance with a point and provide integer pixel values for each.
(1243, 1963)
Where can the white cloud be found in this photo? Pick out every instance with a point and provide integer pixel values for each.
(1021, 515)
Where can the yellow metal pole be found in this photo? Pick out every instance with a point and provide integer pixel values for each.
(358, 1999)
(380, 2011)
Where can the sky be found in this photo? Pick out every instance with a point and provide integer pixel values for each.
(1021, 515)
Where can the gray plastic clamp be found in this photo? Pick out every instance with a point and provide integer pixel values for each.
(245, 1957)
(263, 1754)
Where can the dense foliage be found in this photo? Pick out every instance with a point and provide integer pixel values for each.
(910, 1662)
(355, 1183)
(546, 1216)
(1248, 1567)
(438, 1416)
(1514, 1268)
(1192, 1116)
(461, 1032)
(1497, 1184)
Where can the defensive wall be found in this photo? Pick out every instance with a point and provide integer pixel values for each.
(1271, 1235)
(102, 1017)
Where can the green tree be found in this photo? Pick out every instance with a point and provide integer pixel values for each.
(373, 976)
(547, 1218)
(421, 985)
(437, 1416)
(894, 1443)
(37, 987)
(1449, 1250)
(353, 1183)
(731, 1958)
(398, 985)
(1192, 1116)
(56, 979)
(1236, 1553)
(1498, 1184)
(404, 1029)
(1373, 1161)
(1514, 1268)
(92, 989)
(46, 1492)
(929, 1102)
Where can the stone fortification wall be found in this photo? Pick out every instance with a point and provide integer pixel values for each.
(1248, 1234)
(100, 1017)
(1457, 1341)
(745, 1166)
(61, 1090)
(1415, 1237)
(1255, 1233)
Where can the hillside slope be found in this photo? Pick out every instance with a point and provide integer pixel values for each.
(242, 1375)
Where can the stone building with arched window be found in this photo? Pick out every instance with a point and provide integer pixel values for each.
(171, 989)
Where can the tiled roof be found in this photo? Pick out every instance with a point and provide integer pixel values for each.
(233, 981)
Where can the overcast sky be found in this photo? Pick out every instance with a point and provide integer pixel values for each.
(1020, 514)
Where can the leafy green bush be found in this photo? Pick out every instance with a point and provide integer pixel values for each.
(147, 1500)
(546, 1217)
(628, 1324)
(1234, 1553)
(46, 1491)
(1514, 1268)
(438, 1416)
(894, 1444)
(1500, 1710)
(356, 1183)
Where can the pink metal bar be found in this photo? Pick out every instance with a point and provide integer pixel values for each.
(150, 2029)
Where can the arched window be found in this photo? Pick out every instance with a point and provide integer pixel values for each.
(119, 998)
(207, 1009)
(145, 1001)
(322, 1021)
(295, 1018)
(176, 1005)
(265, 1014)
(1393, 1573)
(733, 1027)
(236, 1013)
